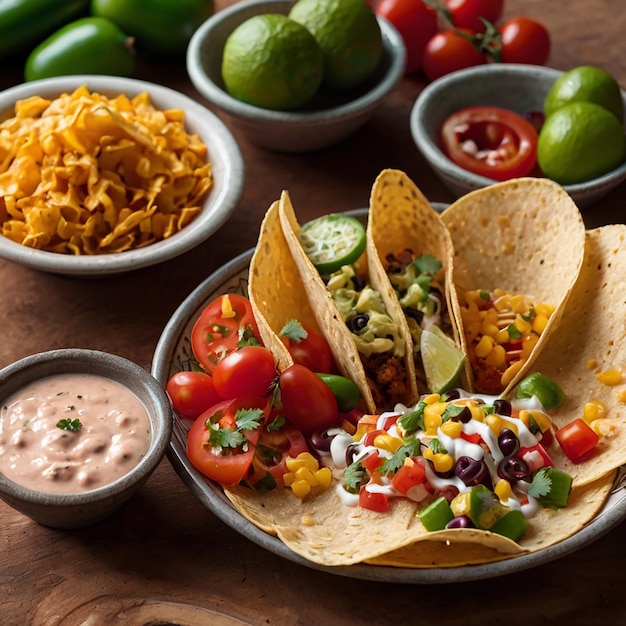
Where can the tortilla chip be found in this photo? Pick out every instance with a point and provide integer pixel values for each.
(525, 236)
(590, 338)
(400, 217)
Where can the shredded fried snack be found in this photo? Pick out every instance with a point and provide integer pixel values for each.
(85, 174)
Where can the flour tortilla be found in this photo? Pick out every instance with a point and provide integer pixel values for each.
(329, 319)
(525, 236)
(400, 217)
(593, 327)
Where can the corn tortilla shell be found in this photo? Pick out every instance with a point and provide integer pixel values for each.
(525, 236)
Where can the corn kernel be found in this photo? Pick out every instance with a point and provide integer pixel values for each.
(452, 429)
(593, 410)
(388, 443)
(324, 477)
(432, 398)
(301, 488)
(478, 413)
(304, 473)
(510, 425)
(545, 309)
(610, 377)
(524, 417)
(483, 347)
(604, 427)
(519, 304)
(502, 336)
(304, 459)
(522, 325)
(460, 504)
(542, 420)
(289, 478)
(511, 372)
(495, 423)
(497, 357)
(503, 490)
(539, 324)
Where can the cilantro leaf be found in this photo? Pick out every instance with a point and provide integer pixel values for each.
(294, 331)
(354, 476)
(514, 332)
(428, 264)
(247, 337)
(541, 484)
(452, 410)
(410, 447)
(73, 425)
(248, 419)
(436, 446)
(413, 420)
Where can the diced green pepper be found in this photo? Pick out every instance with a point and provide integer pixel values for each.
(560, 485)
(512, 525)
(436, 514)
(546, 390)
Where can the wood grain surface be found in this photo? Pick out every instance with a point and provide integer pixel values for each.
(163, 558)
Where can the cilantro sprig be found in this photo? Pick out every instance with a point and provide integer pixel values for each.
(221, 437)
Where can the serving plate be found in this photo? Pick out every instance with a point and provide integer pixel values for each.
(173, 353)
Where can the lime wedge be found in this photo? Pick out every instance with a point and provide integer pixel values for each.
(333, 240)
(442, 360)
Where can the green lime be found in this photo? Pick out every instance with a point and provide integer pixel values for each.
(586, 84)
(578, 142)
(442, 360)
(348, 34)
(333, 240)
(272, 62)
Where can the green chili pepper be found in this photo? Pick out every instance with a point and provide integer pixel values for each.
(436, 514)
(547, 391)
(512, 525)
(91, 45)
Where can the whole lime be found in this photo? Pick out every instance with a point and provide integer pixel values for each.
(586, 84)
(348, 34)
(273, 62)
(580, 141)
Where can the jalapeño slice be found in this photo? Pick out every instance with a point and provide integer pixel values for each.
(332, 241)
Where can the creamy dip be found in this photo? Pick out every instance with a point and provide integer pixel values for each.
(70, 433)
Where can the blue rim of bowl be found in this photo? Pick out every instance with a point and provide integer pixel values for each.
(227, 161)
(434, 154)
(392, 40)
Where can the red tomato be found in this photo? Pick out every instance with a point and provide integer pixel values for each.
(308, 402)
(524, 41)
(416, 22)
(467, 13)
(220, 328)
(249, 371)
(449, 51)
(192, 393)
(229, 465)
(408, 476)
(576, 439)
(313, 351)
(372, 461)
(491, 142)
(373, 500)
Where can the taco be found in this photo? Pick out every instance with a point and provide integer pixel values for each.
(518, 250)
(362, 321)
(410, 246)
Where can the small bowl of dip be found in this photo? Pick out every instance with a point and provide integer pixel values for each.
(80, 432)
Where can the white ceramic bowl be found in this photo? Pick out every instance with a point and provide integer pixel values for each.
(521, 88)
(77, 510)
(223, 153)
(325, 122)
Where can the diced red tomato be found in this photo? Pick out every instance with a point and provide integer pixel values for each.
(577, 439)
(408, 476)
(373, 500)
(372, 462)
(472, 438)
(535, 457)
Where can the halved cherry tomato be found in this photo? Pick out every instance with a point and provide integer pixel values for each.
(448, 51)
(524, 40)
(467, 13)
(373, 500)
(307, 400)
(576, 439)
(192, 393)
(248, 371)
(490, 141)
(312, 351)
(225, 324)
(227, 465)
(416, 22)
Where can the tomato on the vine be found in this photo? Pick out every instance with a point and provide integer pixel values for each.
(448, 51)
(222, 441)
(249, 371)
(524, 40)
(417, 24)
(467, 13)
(223, 326)
(490, 141)
(307, 401)
(191, 393)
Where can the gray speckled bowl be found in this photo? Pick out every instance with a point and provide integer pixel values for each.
(325, 122)
(521, 88)
(223, 152)
(87, 508)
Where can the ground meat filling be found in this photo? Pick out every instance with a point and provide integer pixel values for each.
(386, 377)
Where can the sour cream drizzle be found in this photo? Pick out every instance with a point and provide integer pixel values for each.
(113, 436)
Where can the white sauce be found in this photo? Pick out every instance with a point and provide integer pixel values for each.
(34, 452)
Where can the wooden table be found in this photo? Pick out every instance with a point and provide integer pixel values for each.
(163, 558)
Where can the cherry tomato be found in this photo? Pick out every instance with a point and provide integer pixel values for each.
(467, 13)
(490, 141)
(524, 40)
(448, 51)
(307, 400)
(192, 393)
(222, 325)
(227, 465)
(249, 371)
(313, 351)
(576, 439)
(416, 22)
(373, 500)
